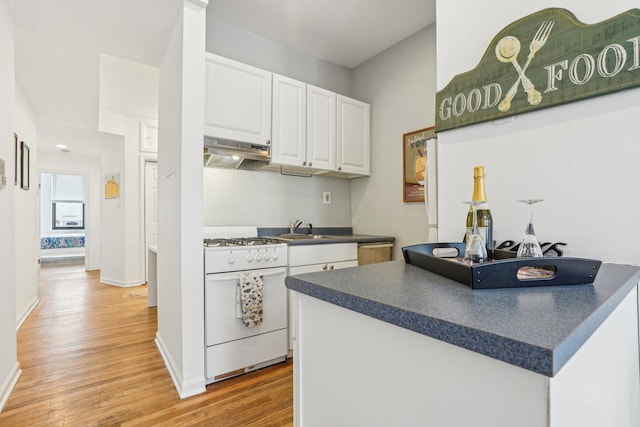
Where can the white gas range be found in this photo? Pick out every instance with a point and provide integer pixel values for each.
(245, 301)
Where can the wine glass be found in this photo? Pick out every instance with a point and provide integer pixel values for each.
(529, 247)
(475, 251)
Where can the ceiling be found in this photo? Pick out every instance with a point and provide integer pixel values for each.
(345, 32)
(58, 42)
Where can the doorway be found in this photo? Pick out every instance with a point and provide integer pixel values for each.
(63, 218)
(150, 211)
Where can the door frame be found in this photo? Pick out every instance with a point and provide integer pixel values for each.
(88, 226)
(144, 159)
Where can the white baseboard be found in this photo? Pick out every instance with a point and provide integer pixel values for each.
(119, 283)
(27, 311)
(184, 388)
(8, 384)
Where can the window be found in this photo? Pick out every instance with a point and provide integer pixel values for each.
(68, 215)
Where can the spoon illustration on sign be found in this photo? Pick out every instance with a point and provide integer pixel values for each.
(507, 50)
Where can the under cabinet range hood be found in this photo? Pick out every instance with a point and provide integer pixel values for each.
(223, 153)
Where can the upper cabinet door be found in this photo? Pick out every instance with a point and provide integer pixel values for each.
(289, 122)
(353, 136)
(321, 128)
(238, 101)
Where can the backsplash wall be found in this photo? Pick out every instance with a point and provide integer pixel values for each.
(269, 199)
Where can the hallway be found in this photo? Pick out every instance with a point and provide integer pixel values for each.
(88, 358)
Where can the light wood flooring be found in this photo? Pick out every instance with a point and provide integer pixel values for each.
(88, 359)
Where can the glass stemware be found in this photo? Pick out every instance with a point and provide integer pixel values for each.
(529, 247)
(475, 250)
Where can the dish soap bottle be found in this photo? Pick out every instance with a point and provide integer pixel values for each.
(483, 214)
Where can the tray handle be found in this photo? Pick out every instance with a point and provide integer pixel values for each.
(504, 273)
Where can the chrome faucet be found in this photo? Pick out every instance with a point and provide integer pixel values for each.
(298, 222)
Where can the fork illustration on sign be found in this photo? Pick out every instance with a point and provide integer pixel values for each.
(507, 50)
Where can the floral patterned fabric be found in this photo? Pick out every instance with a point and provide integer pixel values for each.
(251, 287)
(56, 242)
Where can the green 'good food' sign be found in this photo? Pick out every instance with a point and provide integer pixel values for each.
(541, 60)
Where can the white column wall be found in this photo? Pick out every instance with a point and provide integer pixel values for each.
(9, 367)
(180, 336)
(113, 253)
(27, 233)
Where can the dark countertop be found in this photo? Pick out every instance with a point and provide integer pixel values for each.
(342, 235)
(537, 328)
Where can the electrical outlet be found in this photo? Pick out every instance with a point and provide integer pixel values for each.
(326, 198)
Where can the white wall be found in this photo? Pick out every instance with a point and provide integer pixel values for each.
(89, 167)
(400, 85)
(128, 88)
(128, 96)
(112, 217)
(9, 367)
(580, 157)
(27, 233)
(230, 42)
(180, 336)
(268, 199)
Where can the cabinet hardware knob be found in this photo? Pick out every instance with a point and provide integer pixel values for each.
(339, 168)
(268, 142)
(304, 163)
(324, 267)
(331, 267)
(310, 163)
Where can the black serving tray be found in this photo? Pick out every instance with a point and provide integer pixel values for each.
(505, 271)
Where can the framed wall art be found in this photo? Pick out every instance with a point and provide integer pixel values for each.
(112, 186)
(414, 163)
(24, 166)
(15, 159)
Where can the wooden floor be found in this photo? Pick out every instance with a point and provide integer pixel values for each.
(88, 359)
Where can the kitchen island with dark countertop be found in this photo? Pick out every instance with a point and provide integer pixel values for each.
(522, 356)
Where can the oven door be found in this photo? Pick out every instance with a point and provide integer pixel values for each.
(222, 306)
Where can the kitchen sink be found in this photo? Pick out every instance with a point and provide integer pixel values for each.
(289, 237)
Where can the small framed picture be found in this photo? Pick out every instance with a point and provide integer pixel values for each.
(24, 166)
(414, 164)
(15, 159)
(112, 186)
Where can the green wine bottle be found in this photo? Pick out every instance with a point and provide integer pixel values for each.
(483, 214)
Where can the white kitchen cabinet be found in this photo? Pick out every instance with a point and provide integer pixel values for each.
(353, 136)
(304, 131)
(289, 126)
(313, 258)
(321, 128)
(237, 101)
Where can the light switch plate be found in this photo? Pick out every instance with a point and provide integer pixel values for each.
(326, 198)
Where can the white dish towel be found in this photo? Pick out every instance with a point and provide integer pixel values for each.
(250, 290)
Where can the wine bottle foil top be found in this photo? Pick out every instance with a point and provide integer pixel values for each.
(478, 171)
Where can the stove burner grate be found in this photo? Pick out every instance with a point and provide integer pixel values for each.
(240, 241)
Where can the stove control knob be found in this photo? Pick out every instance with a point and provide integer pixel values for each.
(258, 257)
(267, 256)
(231, 259)
(249, 258)
(274, 256)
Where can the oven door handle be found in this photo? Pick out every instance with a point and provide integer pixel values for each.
(273, 273)
(220, 277)
(280, 271)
